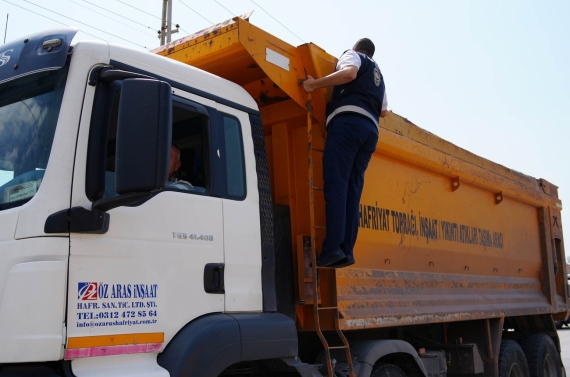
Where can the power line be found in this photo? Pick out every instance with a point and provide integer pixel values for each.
(104, 15)
(195, 12)
(120, 15)
(61, 23)
(51, 19)
(217, 2)
(140, 10)
(277, 21)
(83, 23)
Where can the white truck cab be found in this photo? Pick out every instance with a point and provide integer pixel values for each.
(105, 262)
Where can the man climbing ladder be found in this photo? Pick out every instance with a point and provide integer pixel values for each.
(358, 101)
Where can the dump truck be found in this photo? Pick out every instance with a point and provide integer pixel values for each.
(108, 269)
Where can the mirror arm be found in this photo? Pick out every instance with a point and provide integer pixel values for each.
(77, 220)
(108, 73)
(107, 204)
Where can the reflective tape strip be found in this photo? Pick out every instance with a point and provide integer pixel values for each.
(115, 340)
(78, 353)
(352, 109)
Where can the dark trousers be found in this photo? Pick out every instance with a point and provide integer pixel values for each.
(351, 140)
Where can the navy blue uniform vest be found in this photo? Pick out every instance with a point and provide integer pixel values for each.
(362, 95)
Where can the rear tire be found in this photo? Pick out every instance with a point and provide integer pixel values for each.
(512, 360)
(387, 370)
(541, 354)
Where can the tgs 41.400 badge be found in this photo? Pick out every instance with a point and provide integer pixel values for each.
(192, 236)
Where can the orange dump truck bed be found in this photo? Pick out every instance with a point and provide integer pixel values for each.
(445, 235)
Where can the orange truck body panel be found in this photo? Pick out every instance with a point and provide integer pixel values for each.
(445, 235)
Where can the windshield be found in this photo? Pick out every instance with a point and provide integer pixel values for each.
(29, 109)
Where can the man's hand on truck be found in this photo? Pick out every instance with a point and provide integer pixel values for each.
(342, 76)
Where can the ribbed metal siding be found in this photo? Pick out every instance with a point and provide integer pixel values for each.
(265, 216)
(374, 298)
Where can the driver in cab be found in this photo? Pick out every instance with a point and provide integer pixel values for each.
(175, 163)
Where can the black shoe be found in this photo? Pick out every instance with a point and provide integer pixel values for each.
(329, 257)
(346, 261)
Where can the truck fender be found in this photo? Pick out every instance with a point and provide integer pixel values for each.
(368, 352)
(211, 343)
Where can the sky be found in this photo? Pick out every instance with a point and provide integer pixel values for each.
(491, 77)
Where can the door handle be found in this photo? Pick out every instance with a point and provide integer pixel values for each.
(214, 278)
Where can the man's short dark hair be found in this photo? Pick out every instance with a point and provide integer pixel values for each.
(365, 46)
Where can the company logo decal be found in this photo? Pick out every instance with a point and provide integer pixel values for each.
(4, 58)
(102, 304)
(87, 291)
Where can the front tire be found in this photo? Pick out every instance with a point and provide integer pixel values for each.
(387, 370)
(512, 360)
(541, 354)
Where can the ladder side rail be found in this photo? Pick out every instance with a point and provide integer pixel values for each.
(314, 239)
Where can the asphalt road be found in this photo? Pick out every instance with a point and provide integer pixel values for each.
(564, 335)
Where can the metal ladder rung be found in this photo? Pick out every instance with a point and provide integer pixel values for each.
(318, 188)
(318, 150)
(328, 308)
(338, 348)
(319, 227)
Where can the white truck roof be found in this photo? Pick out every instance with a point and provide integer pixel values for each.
(181, 73)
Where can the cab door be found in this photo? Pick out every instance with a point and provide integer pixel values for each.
(160, 263)
(241, 206)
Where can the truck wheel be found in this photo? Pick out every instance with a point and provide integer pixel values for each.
(387, 370)
(542, 356)
(512, 361)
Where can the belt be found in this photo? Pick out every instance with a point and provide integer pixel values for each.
(352, 109)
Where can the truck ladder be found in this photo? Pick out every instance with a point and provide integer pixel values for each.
(317, 309)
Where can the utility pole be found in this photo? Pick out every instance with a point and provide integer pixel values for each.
(169, 21)
(162, 32)
(166, 31)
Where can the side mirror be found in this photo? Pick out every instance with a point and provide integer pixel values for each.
(144, 137)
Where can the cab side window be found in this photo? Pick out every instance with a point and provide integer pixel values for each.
(234, 159)
(209, 144)
(190, 136)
